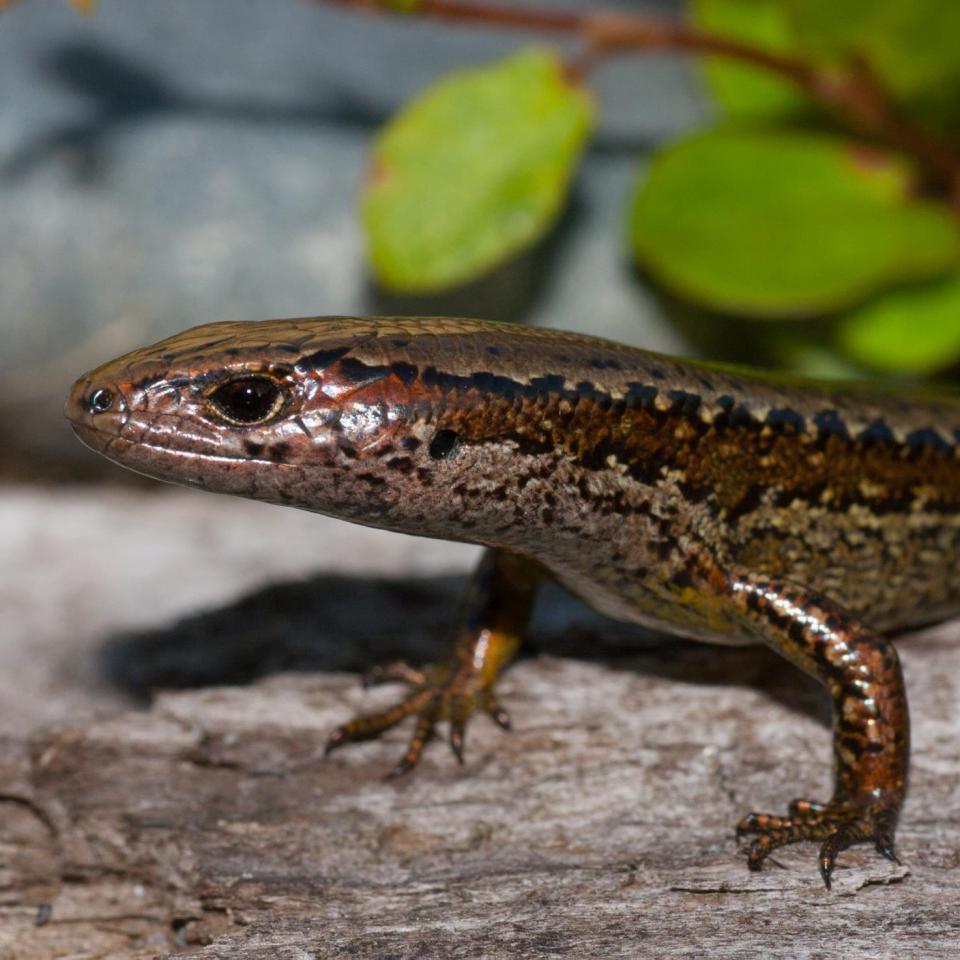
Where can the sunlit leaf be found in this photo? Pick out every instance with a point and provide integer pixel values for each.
(784, 223)
(745, 91)
(472, 171)
(914, 329)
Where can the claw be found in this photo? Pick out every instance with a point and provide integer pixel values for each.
(885, 849)
(826, 868)
(456, 741)
(502, 719)
(496, 713)
(404, 766)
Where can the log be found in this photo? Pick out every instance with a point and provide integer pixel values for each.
(210, 823)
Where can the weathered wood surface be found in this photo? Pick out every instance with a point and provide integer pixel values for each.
(211, 824)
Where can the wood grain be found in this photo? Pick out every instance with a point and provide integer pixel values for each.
(209, 823)
(600, 827)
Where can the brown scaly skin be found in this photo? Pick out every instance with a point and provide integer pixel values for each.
(700, 500)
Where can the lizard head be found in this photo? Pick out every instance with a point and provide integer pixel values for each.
(275, 410)
(423, 425)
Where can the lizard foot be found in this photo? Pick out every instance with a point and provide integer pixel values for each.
(838, 824)
(442, 692)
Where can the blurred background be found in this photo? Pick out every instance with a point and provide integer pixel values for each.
(166, 165)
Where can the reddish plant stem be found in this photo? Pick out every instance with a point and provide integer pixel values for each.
(463, 11)
(854, 93)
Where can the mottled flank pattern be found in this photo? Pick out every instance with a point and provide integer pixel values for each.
(698, 499)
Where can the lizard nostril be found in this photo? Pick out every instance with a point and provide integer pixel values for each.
(100, 401)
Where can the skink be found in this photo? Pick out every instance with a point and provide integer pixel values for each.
(704, 501)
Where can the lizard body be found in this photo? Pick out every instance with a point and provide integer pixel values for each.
(698, 499)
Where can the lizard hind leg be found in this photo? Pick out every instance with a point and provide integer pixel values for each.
(494, 618)
(871, 727)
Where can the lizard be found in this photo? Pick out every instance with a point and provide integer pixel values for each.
(709, 502)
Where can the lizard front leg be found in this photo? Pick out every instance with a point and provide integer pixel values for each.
(491, 627)
(871, 726)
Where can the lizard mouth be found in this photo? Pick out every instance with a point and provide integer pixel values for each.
(91, 436)
(119, 449)
(101, 429)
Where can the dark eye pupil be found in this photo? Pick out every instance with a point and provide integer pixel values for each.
(248, 400)
(101, 400)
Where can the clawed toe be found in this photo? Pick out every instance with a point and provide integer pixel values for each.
(837, 825)
(369, 726)
(439, 693)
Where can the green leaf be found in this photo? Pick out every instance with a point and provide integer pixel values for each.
(784, 223)
(472, 171)
(913, 44)
(744, 91)
(914, 329)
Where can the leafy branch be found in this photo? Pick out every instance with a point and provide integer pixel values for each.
(853, 93)
(834, 195)
(845, 213)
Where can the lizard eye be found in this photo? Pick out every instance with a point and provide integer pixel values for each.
(100, 401)
(247, 400)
